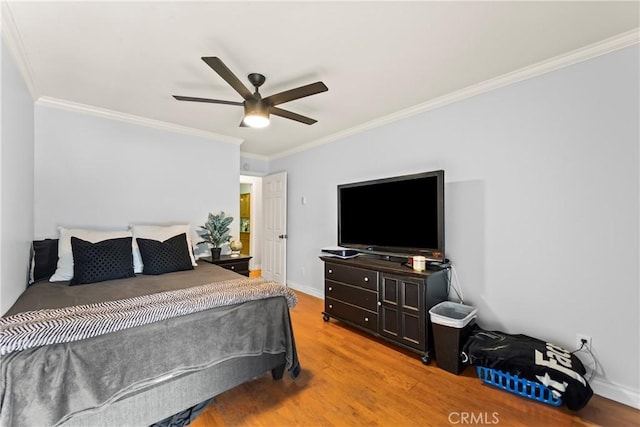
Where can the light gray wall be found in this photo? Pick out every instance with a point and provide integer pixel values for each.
(16, 188)
(96, 172)
(542, 196)
(253, 165)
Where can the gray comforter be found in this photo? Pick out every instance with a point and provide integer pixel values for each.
(49, 385)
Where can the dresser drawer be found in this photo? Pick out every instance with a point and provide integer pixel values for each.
(351, 276)
(351, 294)
(351, 313)
(240, 267)
(238, 264)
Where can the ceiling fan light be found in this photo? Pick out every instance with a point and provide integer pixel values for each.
(256, 120)
(256, 113)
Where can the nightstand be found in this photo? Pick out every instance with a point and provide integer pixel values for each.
(239, 264)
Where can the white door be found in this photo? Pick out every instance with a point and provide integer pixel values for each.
(274, 204)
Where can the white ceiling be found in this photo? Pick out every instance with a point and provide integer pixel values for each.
(380, 60)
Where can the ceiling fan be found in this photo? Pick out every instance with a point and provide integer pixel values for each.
(256, 108)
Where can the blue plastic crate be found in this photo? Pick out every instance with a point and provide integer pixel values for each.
(519, 386)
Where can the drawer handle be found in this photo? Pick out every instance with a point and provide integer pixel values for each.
(330, 271)
(379, 303)
(233, 267)
(330, 305)
(366, 279)
(330, 288)
(366, 319)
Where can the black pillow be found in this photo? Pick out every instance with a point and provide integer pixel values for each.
(165, 257)
(44, 259)
(106, 260)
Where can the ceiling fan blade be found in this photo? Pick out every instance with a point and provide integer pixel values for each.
(293, 116)
(212, 101)
(219, 67)
(297, 93)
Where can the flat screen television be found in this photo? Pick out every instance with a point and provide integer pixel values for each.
(402, 215)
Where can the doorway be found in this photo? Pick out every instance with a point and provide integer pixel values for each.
(245, 218)
(267, 226)
(250, 224)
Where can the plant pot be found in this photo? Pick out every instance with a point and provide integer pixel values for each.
(215, 253)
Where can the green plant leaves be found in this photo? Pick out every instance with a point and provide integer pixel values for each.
(216, 230)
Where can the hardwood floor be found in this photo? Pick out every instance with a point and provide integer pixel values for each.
(348, 379)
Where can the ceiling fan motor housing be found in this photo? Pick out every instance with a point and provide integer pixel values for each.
(256, 107)
(256, 113)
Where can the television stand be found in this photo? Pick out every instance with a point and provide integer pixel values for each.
(384, 298)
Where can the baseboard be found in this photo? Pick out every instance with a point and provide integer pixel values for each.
(619, 393)
(306, 289)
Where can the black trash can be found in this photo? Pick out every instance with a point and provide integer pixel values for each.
(452, 324)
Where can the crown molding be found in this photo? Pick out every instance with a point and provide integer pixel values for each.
(62, 104)
(13, 41)
(254, 156)
(603, 47)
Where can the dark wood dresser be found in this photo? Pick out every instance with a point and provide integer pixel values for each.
(385, 299)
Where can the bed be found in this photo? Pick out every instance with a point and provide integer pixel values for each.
(143, 374)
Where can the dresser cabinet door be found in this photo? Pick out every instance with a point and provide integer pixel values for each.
(402, 314)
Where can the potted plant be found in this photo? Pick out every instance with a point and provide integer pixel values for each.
(215, 232)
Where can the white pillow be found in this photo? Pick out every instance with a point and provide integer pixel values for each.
(160, 233)
(198, 251)
(64, 269)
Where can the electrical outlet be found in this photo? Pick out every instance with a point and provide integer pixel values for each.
(580, 338)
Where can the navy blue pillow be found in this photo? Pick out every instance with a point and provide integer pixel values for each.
(165, 257)
(106, 260)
